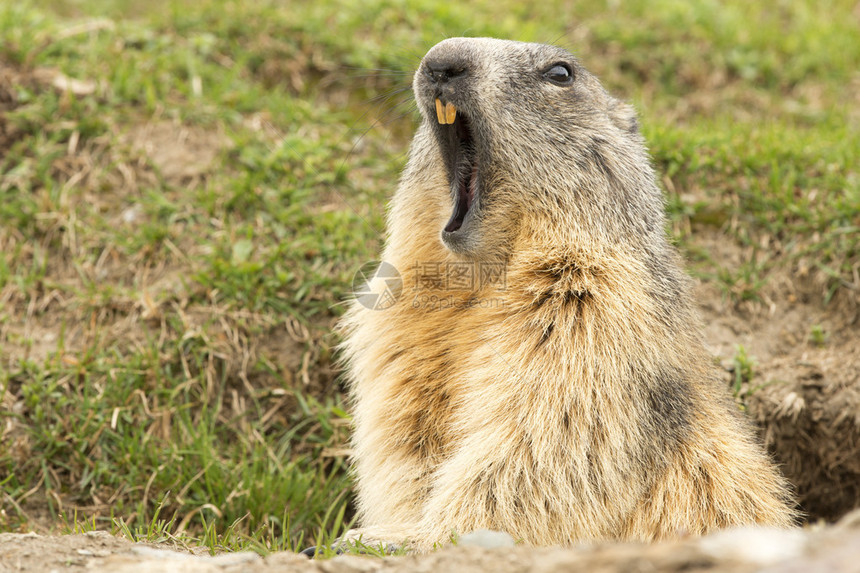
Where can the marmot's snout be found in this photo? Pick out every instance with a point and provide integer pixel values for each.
(445, 69)
(446, 76)
(447, 73)
(441, 81)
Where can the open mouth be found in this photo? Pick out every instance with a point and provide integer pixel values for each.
(462, 160)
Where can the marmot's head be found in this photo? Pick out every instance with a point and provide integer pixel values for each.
(524, 130)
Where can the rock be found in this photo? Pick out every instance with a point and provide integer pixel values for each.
(487, 539)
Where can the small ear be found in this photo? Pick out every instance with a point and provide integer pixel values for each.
(624, 117)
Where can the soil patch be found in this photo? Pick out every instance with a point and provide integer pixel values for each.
(805, 390)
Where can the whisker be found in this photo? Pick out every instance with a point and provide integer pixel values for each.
(388, 95)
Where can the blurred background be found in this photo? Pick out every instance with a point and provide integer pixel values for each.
(188, 187)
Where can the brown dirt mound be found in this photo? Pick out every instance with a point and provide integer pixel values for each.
(805, 391)
(812, 425)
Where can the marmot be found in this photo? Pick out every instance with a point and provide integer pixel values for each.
(542, 372)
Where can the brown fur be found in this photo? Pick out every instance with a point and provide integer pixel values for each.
(574, 401)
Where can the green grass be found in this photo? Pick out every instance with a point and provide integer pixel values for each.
(743, 369)
(177, 237)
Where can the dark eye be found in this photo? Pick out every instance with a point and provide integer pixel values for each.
(559, 74)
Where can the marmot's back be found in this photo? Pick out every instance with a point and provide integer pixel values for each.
(542, 372)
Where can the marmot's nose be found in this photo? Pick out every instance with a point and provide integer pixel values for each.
(443, 70)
